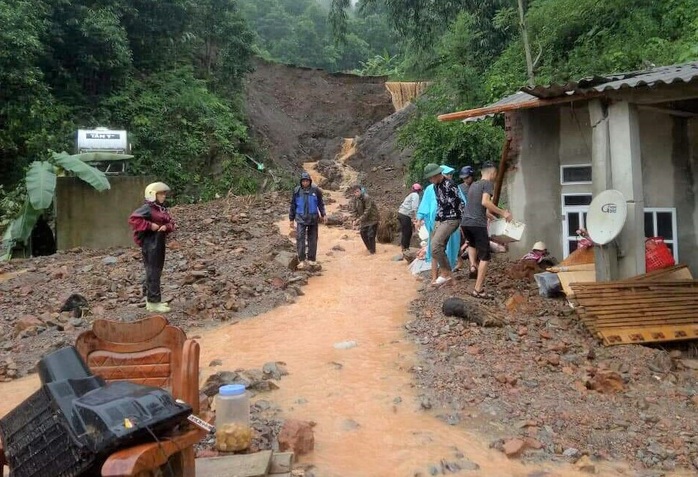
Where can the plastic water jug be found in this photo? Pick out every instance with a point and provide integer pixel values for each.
(233, 431)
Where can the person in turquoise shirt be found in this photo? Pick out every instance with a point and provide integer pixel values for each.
(426, 214)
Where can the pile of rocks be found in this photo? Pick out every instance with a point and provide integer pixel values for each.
(226, 261)
(553, 389)
(8, 370)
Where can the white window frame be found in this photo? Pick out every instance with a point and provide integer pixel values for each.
(568, 166)
(674, 227)
(571, 209)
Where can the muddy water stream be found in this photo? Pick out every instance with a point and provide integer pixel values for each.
(363, 400)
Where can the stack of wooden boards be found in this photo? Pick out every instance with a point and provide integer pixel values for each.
(655, 307)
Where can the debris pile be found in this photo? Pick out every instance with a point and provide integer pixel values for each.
(546, 387)
(222, 264)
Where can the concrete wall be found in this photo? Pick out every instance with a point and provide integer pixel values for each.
(551, 137)
(90, 219)
(533, 187)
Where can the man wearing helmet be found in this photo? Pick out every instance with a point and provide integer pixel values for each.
(151, 223)
(307, 210)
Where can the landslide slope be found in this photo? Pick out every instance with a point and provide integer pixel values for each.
(301, 114)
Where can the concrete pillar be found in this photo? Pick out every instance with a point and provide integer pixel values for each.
(606, 257)
(626, 173)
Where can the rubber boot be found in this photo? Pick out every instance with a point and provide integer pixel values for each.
(157, 307)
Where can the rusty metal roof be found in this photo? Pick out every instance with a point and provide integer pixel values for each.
(516, 98)
(684, 73)
(585, 88)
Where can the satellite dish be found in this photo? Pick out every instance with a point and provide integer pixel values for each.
(606, 217)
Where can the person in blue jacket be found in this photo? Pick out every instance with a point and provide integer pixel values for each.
(307, 210)
(426, 215)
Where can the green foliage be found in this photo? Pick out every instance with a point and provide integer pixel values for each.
(451, 144)
(180, 128)
(298, 32)
(75, 164)
(169, 72)
(41, 184)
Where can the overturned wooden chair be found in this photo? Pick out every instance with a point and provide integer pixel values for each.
(153, 353)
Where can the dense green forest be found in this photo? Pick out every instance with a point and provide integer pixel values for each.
(298, 32)
(171, 71)
(474, 52)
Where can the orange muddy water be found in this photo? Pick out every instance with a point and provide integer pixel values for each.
(362, 429)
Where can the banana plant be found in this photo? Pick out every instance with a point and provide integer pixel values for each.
(41, 188)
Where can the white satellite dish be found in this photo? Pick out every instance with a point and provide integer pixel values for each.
(606, 217)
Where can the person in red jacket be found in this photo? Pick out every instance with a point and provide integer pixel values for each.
(151, 223)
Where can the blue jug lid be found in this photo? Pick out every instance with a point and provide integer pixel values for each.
(232, 390)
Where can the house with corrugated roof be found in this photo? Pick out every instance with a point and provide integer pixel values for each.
(634, 132)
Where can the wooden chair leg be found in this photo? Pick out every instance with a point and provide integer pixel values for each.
(188, 462)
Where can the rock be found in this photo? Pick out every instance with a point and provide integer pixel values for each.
(109, 260)
(215, 381)
(514, 447)
(425, 403)
(350, 425)
(274, 370)
(297, 437)
(515, 302)
(287, 260)
(606, 382)
(584, 464)
(279, 283)
(26, 322)
(345, 345)
(215, 362)
(553, 359)
(338, 248)
(571, 452)
(690, 364)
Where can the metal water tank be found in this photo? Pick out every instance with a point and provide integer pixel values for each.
(94, 142)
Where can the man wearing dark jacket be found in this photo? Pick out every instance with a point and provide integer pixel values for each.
(307, 210)
(367, 218)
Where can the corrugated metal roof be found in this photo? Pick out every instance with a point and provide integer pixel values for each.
(685, 73)
(585, 88)
(516, 98)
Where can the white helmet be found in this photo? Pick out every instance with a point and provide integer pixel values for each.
(152, 190)
(539, 246)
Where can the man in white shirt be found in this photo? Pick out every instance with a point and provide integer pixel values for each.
(407, 214)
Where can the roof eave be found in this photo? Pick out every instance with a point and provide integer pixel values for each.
(534, 103)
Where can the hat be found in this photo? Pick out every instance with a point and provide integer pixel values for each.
(416, 187)
(466, 171)
(447, 169)
(431, 169)
(539, 246)
(488, 165)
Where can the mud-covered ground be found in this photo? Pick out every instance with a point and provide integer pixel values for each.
(541, 384)
(227, 261)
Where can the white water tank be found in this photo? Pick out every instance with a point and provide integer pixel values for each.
(103, 140)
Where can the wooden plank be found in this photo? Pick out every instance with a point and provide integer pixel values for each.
(652, 302)
(237, 465)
